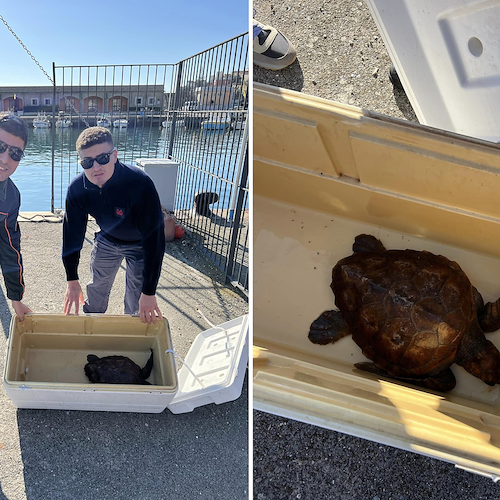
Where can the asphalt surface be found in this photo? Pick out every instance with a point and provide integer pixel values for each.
(341, 56)
(84, 455)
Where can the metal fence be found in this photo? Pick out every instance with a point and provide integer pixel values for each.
(194, 113)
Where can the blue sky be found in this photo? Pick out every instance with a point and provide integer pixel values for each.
(98, 32)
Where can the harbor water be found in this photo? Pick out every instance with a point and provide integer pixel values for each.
(212, 156)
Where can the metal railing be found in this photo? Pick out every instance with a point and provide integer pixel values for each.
(195, 113)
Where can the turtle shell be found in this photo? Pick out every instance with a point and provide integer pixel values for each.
(117, 370)
(407, 310)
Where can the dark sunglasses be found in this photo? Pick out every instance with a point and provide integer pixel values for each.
(102, 159)
(15, 153)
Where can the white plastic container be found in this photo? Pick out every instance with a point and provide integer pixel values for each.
(47, 352)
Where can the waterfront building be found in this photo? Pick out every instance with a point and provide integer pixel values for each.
(83, 98)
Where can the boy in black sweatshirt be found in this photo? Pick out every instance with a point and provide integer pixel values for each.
(124, 202)
(13, 139)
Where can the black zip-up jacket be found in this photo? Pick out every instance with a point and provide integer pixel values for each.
(11, 261)
(127, 209)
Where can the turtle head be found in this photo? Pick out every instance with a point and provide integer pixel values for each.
(367, 243)
(92, 372)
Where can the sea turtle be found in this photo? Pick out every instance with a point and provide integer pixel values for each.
(413, 314)
(117, 370)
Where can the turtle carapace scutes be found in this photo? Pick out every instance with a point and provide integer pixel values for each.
(117, 370)
(413, 314)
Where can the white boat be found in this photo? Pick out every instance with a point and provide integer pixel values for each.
(41, 121)
(216, 122)
(120, 123)
(168, 123)
(64, 123)
(103, 121)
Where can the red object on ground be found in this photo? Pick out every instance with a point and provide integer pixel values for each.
(179, 231)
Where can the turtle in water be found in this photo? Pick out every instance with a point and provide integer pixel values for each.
(117, 370)
(413, 314)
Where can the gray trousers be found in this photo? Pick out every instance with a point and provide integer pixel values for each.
(105, 260)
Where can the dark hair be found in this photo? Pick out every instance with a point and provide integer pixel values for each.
(92, 136)
(14, 125)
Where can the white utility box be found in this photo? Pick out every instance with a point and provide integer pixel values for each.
(163, 172)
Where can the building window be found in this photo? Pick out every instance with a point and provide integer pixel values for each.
(69, 102)
(151, 101)
(34, 101)
(92, 104)
(47, 101)
(138, 101)
(117, 104)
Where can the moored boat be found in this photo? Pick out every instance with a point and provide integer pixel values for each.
(64, 123)
(41, 121)
(103, 121)
(216, 122)
(120, 123)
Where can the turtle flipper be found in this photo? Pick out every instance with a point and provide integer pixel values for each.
(481, 359)
(328, 328)
(443, 381)
(367, 243)
(146, 371)
(489, 316)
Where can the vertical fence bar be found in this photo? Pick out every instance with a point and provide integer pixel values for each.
(239, 207)
(53, 137)
(176, 106)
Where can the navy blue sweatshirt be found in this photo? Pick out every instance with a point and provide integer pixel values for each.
(10, 240)
(127, 209)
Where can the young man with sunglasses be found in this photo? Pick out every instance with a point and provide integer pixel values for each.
(13, 139)
(126, 206)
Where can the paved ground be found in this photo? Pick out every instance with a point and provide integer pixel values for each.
(341, 56)
(49, 454)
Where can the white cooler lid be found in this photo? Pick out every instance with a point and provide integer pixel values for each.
(218, 357)
(447, 55)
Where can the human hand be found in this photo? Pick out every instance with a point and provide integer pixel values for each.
(74, 295)
(148, 309)
(20, 309)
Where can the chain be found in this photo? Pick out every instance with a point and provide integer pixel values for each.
(40, 66)
(26, 49)
(70, 104)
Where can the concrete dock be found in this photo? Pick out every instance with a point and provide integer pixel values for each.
(52, 454)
